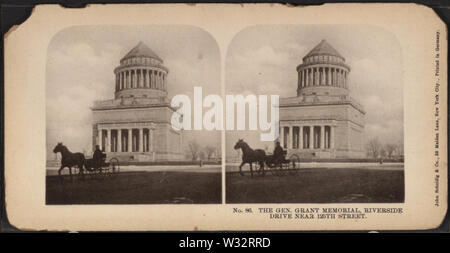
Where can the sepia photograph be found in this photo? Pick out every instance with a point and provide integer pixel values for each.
(109, 135)
(226, 117)
(340, 115)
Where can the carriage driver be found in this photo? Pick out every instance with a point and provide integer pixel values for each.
(278, 153)
(98, 156)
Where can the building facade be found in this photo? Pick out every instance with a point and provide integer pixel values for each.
(136, 124)
(322, 121)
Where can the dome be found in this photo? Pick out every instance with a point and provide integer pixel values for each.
(141, 74)
(323, 48)
(141, 50)
(323, 72)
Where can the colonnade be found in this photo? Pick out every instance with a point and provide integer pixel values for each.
(307, 137)
(125, 139)
(141, 78)
(322, 76)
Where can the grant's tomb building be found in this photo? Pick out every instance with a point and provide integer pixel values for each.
(322, 121)
(135, 125)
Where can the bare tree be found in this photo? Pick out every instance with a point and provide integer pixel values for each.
(210, 151)
(390, 149)
(373, 147)
(383, 151)
(400, 150)
(201, 155)
(194, 149)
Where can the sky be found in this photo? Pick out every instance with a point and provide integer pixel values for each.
(263, 60)
(80, 65)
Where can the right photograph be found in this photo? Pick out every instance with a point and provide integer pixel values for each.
(339, 131)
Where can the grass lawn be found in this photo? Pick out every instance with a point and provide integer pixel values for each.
(318, 186)
(137, 188)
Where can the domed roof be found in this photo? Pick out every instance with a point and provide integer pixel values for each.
(141, 50)
(323, 48)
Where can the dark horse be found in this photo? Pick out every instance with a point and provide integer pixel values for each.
(250, 156)
(69, 159)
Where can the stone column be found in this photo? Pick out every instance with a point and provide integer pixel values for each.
(123, 80)
(311, 77)
(147, 78)
(100, 139)
(291, 137)
(136, 84)
(141, 139)
(302, 81)
(322, 76)
(300, 137)
(108, 140)
(119, 140)
(340, 77)
(130, 84)
(331, 76)
(131, 79)
(159, 80)
(306, 77)
(151, 130)
(282, 136)
(128, 79)
(331, 137)
(130, 140)
(335, 77)
(141, 78)
(311, 137)
(144, 142)
(317, 77)
(120, 80)
(322, 137)
(151, 79)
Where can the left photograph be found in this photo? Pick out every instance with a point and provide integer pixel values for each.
(109, 132)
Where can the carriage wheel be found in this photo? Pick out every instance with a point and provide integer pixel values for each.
(100, 173)
(284, 169)
(294, 164)
(114, 167)
(276, 169)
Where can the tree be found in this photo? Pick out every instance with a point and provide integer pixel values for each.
(390, 149)
(373, 147)
(194, 149)
(201, 155)
(210, 151)
(400, 150)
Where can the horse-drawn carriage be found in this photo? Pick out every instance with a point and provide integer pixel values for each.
(98, 168)
(277, 165)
